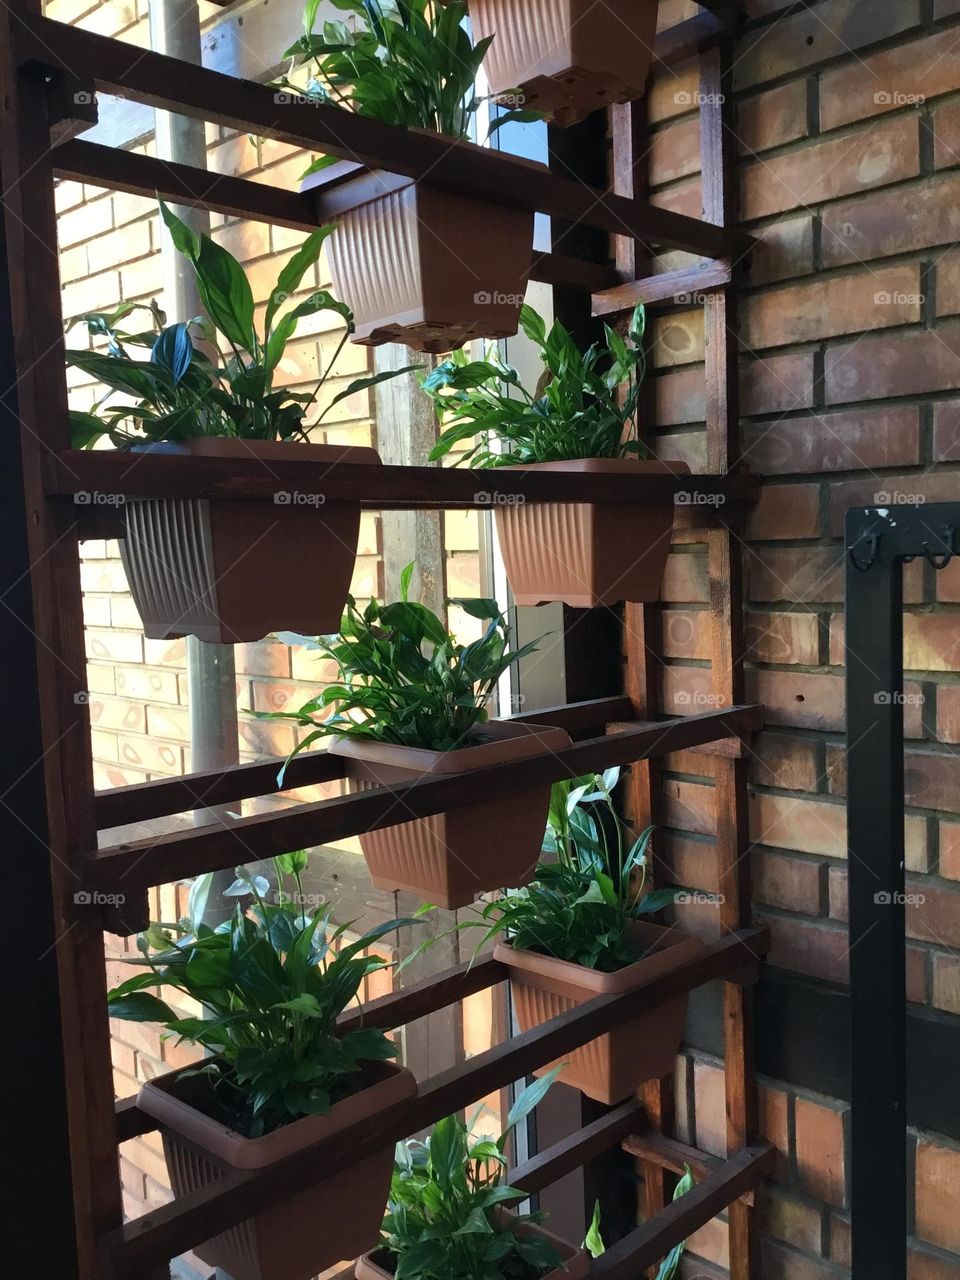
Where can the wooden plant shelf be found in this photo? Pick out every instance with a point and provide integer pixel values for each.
(142, 475)
(135, 866)
(160, 81)
(145, 800)
(156, 1236)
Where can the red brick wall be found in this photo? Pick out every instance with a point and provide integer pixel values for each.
(849, 136)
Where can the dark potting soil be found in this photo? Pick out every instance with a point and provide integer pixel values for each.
(508, 1268)
(228, 1107)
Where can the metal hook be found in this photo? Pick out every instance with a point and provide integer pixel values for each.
(873, 541)
(940, 559)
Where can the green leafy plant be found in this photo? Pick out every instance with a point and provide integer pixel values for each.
(407, 62)
(271, 982)
(181, 393)
(670, 1266)
(580, 906)
(584, 406)
(442, 1220)
(404, 679)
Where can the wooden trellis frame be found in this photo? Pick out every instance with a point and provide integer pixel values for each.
(50, 72)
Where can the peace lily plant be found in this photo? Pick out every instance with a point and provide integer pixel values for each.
(265, 990)
(226, 571)
(411, 701)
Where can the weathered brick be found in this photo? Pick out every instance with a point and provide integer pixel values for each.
(950, 850)
(937, 1179)
(675, 152)
(774, 1106)
(154, 756)
(786, 761)
(946, 981)
(928, 1266)
(948, 284)
(770, 119)
(685, 579)
(829, 307)
(710, 1107)
(690, 806)
(881, 437)
(885, 223)
(118, 713)
(776, 384)
(820, 1151)
(686, 634)
(894, 365)
(813, 36)
(673, 94)
(817, 949)
(946, 135)
(910, 72)
(794, 884)
(785, 511)
(782, 250)
(812, 575)
(933, 915)
(783, 637)
(801, 824)
(931, 641)
(114, 646)
(789, 1218)
(799, 699)
(678, 339)
(873, 157)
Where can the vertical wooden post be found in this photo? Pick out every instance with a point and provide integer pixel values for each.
(725, 558)
(642, 623)
(59, 669)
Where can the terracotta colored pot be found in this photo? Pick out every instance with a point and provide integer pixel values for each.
(612, 1067)
(376, 1265)
(588, 553)
(449, 858)
(425, 267)
(230, 572)
(568, 57)
(326, 1223)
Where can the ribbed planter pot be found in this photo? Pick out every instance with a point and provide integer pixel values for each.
(428, 268)
(588, 553)
(612, 1067)
(567, 57)
(380, 1264)
(450, 857)
(335, 1219)
(233, 571)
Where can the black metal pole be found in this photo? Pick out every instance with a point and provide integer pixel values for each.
(875, 816)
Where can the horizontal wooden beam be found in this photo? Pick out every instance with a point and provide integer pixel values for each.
(689, 38)
(164, 796)
(137, 865)
(124, 476)
(172, 85)
(148, 176)
(653, 1241)
(667, 1153)
(174, 1228)
(407, 1004)
(673, 288)
(577, 1149)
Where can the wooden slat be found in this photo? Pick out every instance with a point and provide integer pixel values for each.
(651, 1242)
(679, 288)
(577, 1149)
(140, 864)
(407, 1004)
(147, 475)
(673, 1156)
(164, 796)
(167, 83)
(174, 1228)
(689, 38)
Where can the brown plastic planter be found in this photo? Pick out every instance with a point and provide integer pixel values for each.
(612, 1067)
(576, 1264)
(231, 572)
(568, 57)
(326, 1223)
(588, 553)
(449, 858)
(425, 267)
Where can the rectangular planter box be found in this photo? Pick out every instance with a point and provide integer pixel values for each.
(612, 1067)
(449, 858)
(333, 1220)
